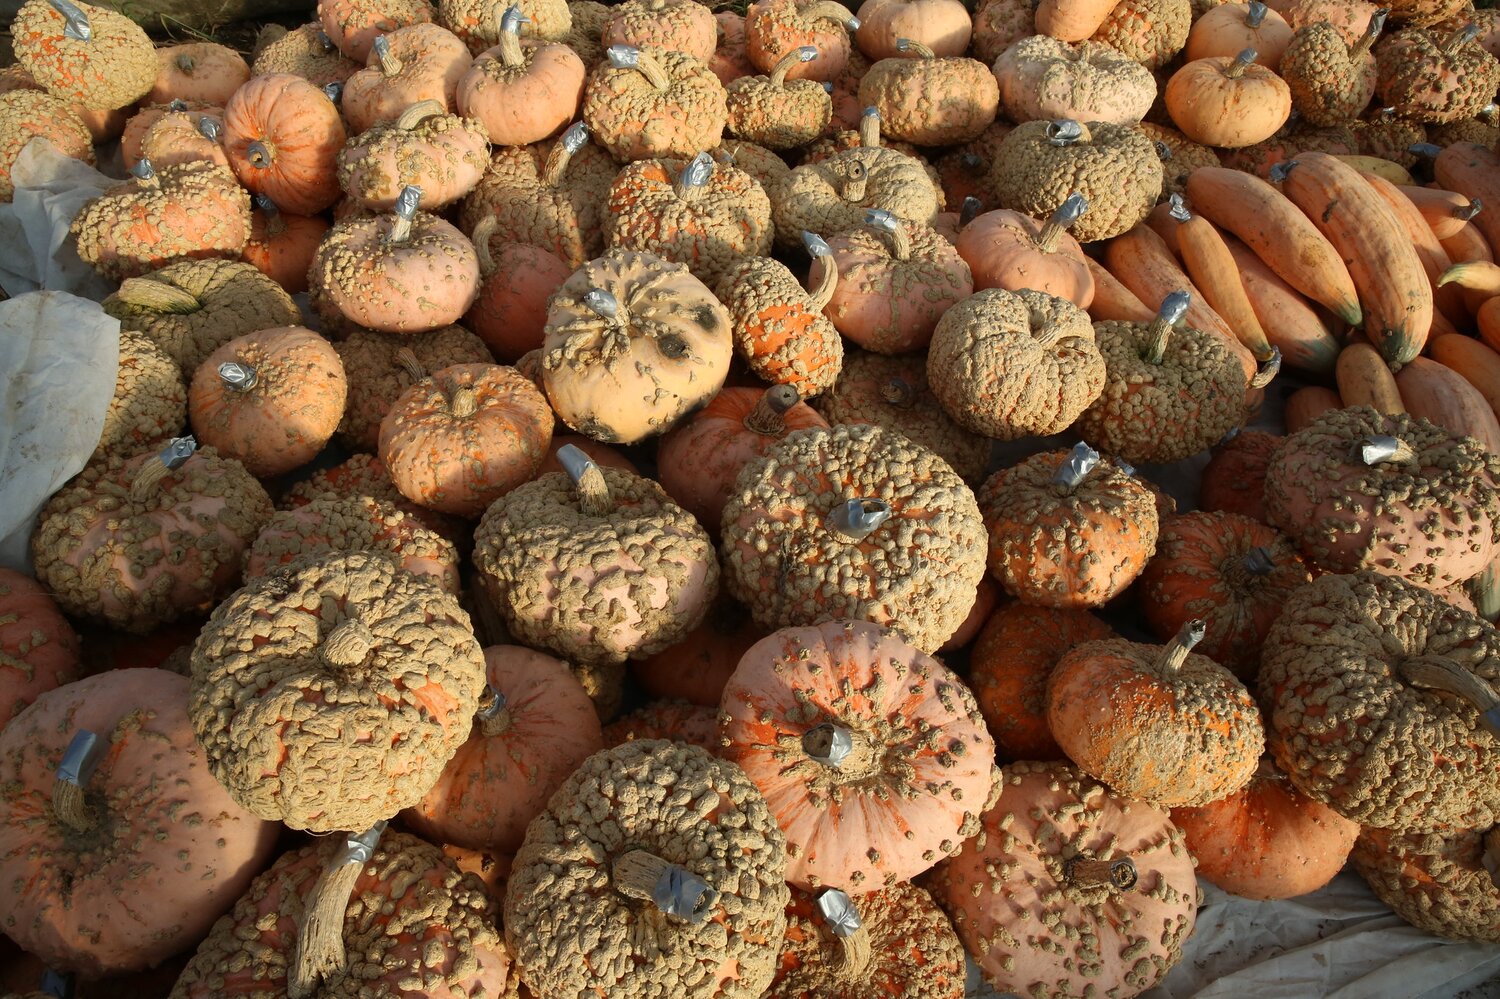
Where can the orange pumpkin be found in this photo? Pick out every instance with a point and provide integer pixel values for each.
(416, 63)
(1006, 249)
(522, 95)
(38, 647)
(873, 758)
(197, 71)
(775, 27)
(282, 136)
(281, 244)
(1229, 103)
(465, 436)
(1234, 480)
(675, 721)
(353, 25)
(697, 668)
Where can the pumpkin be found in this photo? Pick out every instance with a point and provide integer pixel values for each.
(1067, 528)
(1041, 77)
(364, 475)
(1230, 28)
(521, 95)
(778, 327)
(729, 60)
(1010, 665)
(353, 524)
(1151, 32)
(464, 436)
(776, 112)
(894, 393)
(1227, 102)
(384, 365)
(1180, 156)
(1380, 702)
(854, 522)
(697, 668)
(140, 540)
(681, 25)
(633, 326)
(1436, 76)
(1330, 82)
(1234, 480)
(39, 650)
(534, 727)
(675, 721)
(698, 461)
(1229, 571)
(1070, 887)
(1114, 167)
(150, 400)
(270, 400)
(283, 135)
(1292, 139)
(896, 281)
(304, 51)
(894, 766)
(1357, 489)
(698, 213)
(631, 576)
(1005, 249)
(999, 24)
(516, 285)
(547, 196)
(103, 126)
(403, 273)
(443, 154)
(403, 912)
(385, 661)
(1170, 391)
(1267, 840)
(1161, 724)
(1015, 364)
(187, 211)
(477, 22)
(895, 942)
(650, 103)
(184, 137)
(687, 899)
(193, 307)
(197, 71)
(84, 54)
(354, 25)
(938, 24)
(928, 99)
(415, 63)
(30, 114)
(1441, 882)
(775, 27)
(112, 760)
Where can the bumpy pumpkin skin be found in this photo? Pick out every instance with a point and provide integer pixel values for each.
(682, 25)
(666, 350)
(1011, 884)
(932, 101)
(1041, 77)
(116, 66)
(775, 27)
(423, 63)
(38, 647)
(411, 916)
(307, 52)
(29, 114)
(1433, 76)
(1149, 31)
(635, 120)
(684, 807)
(150, 400)
(831, 196)
(443, 154)
(1440, 882)
(1330, 82)
(1434, 519)
(165, 850)
(1348, 727)
(522, 95)
(1015, 364)
(912, 788)
(388, 658)
(353, 25)
(787, 562)
(778, 327)
(475, 21)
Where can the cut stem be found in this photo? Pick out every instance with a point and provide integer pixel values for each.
(481, 240)
(1380, 449)
(1361, 47)
(157, 467)
(462, 402)
(1445, 674)
(1460, 38)
(260, 154)
(77, 25)
(766, 418)
(1256, 15)
(157, 296)
(1242, 62)
(912, 47)
(653, 71)
(855, 176)
(1119, 873)
(694, 177)
(389, 64)
(869, 128)
(675, 890)
(899, 392)
(842, 919)
(798, 55)
(73, 774)
(411, 364)
(1173, 308)
(238, 376)
(1257, 562)
(856, 519)
(1176, 651)
(574, 139)
(417, 113)
(1069, 212)
(588, 480)
(493, 714)
(320, 939)
(1076, 466)
(511, 54)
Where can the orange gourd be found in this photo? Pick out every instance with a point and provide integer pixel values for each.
(282, 136)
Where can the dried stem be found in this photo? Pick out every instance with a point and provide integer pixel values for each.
(766, 418)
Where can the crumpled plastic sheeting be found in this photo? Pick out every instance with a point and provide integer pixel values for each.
(58, 359)
(35, 249)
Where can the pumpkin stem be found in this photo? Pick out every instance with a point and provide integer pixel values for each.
(406, 210)
(407, 358)
(493, 714)
(800, 54)
(172, 457)
(389, 64)
(462, 403)
(694, 177)
(842, 918)
(821, 293)
(1242, 62)
(869, 128)
(1256, 14)
(1362, 46)
(209, 128)
(1076, 466)
(1067, 132)
(914, 47)
(144, 172)
(275, 224)
(883, 221)
(856, 519)
(1173, 308)
(1257, 561)
(766, 418)
(1084, 872)
(969, 210)
(832, 12)
(238, 377)
(855, 175)
(672, 888)
(77, 25)
(419, 112)
(260, 153)
(1467, 213)
(588, 480)
(1378, 449)
(157, 296)
(1176, 651)
(348, 645)
(511, 20)
(481, 240)
(630, 57)
(1266, 368)
(1485, 590)
(72, 776)
(1446, 675)
(1069, 212)
(574, 139)
(320, 938)
(1460, 38)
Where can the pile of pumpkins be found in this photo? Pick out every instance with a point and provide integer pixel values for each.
(655, 359)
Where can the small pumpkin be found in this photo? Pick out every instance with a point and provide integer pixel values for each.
(1041, 77)
(938, 24)
(185, 137)
(681, 25)
(775, 27)
(649, 103)
(776, 112)
(1230, 28)
(281, 245)
(1227, 102)
(477, 22)
(1436, 76)
(304, 51)
(415, 63)
(283, 135)
(1442, 882)
(1234, 480)
(1152, 32)
(84, 54)
(1005, 249)
(353, 25)
(197, 71)
(516, 285)
(928, 99)
(520, 94)
(443, 154)
(30, 114)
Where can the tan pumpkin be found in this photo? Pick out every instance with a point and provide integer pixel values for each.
(681, 25)
(1041, 77)
(443, 154)
(649, 103)
(521, 94)
(931, 100)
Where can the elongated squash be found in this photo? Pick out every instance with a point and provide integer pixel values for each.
(1389, 169)
(1478, 364)
(1473, 171)
(1364, 379)
(1482, 276)
(1445, 211)
(1393, 289)
(1449, 312)
(1279, 233)
(1289, 321)
(1435, 391)
(1112, 300)
(1209, 263)
(1307, 404)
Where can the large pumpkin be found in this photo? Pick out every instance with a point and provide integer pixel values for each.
(283, 136)
(872, 756)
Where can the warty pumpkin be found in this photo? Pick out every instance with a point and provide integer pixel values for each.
(197, 71)
(833, 195)
(521, 94)
(1330, 82)
(415, 63)
(729, 60)
(1234, 480)
(1011, 251)
(304, 51)
(150, 399)
(938, 24)
(854, 522)
(31, 114)
(353, 25)
(1041, 77)
(1152, 32)
(999, 24)
(681, 25)
(872, 757)
(382, 366)
(185, 137)
(363, 475)
(775, 27)
(650, 103)
(443, 154)
(776, 112)
(84, 54)
(1442, 882)
(1436, 76)
(39, 650)
(281, 244)
(283, 135)
(675, 721)
(931, 100)
(477, 22)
